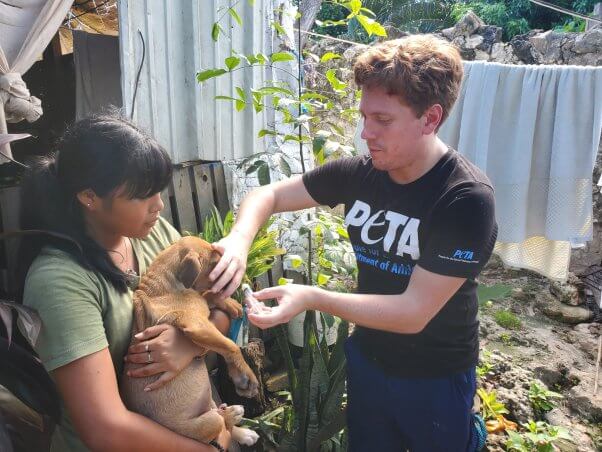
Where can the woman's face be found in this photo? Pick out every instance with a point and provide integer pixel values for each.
(127, 217)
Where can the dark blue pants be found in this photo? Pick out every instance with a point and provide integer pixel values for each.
(397, 414)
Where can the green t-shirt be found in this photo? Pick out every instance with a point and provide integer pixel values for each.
(82, 313)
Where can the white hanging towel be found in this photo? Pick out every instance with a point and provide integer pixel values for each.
(534, 130)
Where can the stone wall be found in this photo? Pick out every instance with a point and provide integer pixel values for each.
(478, 41)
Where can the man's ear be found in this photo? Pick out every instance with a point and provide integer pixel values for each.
(433, 116)
(190, 269)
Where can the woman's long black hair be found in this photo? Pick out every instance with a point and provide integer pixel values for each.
(101, 153)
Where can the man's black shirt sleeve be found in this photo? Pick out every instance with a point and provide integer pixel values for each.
(463, 232)
(332, 183)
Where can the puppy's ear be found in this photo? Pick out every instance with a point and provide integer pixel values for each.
(208, 261)
(190, 269)
(214, 258)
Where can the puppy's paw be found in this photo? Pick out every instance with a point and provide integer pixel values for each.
(232, 414)
(244, 436)
(233, 308)
(245, 382)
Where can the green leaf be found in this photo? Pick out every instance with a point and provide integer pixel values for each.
(251, 169)
(294, 138)
(312, 95)
(329, 56)
(264, 132)
(283, 281)
(258, 106)
(261, 58)
(323, 279)
(295, 260)
(263, 174)
(284, 166)
(354, 6)
(281, 56)
(335, 83)
(232, 62)
(274, 90)
(318, 144)
(241, 93)
(371, 26)
(233, 99)
(240, 104)
(209, 73)
(215, 31)
(235, 15)
(279, 29)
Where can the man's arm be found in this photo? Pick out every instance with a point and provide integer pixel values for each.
(406, 313)
(256, 208)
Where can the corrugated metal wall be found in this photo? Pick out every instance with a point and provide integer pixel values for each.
(182, 114)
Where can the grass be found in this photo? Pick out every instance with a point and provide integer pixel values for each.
(507, 319)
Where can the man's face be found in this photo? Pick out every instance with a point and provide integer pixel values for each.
(392, 131)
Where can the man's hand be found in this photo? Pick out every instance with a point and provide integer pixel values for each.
(292, 299)
(229, 271)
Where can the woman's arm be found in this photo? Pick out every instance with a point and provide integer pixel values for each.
(169, 349)
(89, 389)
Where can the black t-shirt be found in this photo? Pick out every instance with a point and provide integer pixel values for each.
(444, 222)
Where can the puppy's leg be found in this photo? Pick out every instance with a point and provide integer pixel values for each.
(232, 307)
(139, 312)
(232, 414)
(244, 436)
(205, 334)
(204, 428)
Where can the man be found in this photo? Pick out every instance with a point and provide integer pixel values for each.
(422, 223)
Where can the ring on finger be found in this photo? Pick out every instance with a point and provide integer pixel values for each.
(149, 359)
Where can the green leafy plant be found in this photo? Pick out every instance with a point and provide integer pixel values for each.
(485, 366)
(506, 339)
(316, 421)
(537, 437)
(507, 319)
(334, 256)
(542, 399)
(299, 108)
(491, 408)
(319, 394)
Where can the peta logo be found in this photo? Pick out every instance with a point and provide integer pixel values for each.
(463, 254)
(361, 216)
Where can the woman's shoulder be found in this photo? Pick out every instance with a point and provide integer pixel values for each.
(57, 261)
(57, 271)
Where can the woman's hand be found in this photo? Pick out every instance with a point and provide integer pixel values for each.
(163, 349)
(292, 299)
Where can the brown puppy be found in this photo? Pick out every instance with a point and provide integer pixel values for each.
(173, 291)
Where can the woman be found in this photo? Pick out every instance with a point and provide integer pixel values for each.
(101, 193)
